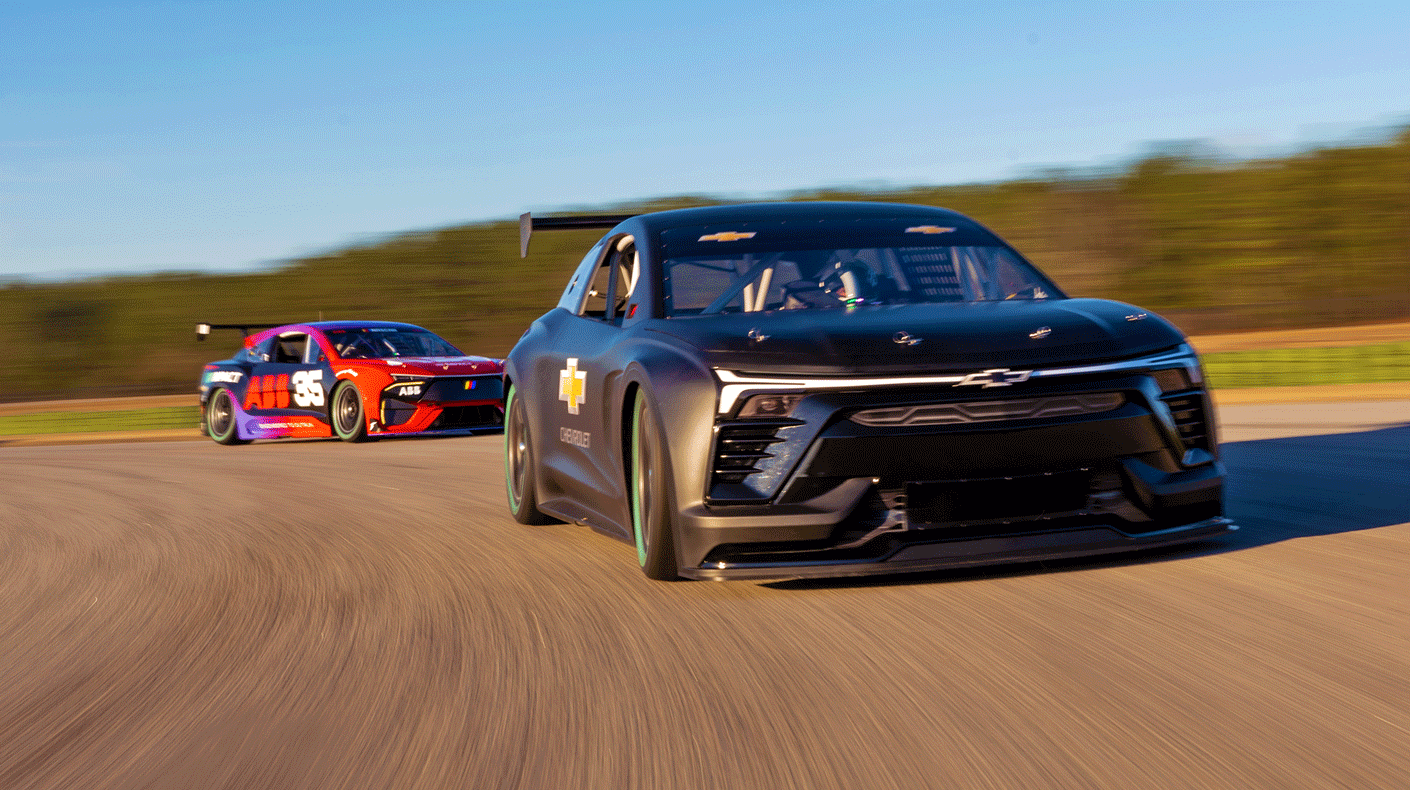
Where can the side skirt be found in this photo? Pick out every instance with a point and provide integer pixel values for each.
(573, 512)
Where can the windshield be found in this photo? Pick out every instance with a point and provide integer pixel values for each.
(384, 342)
(847, 277)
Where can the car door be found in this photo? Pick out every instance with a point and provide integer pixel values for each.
(576, 382)
(289, 380)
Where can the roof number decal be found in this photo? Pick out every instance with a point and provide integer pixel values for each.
(727, 235)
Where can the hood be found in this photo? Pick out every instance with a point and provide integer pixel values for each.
(442, 366)
(925, 337)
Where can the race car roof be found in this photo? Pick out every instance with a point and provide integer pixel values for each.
(204, 329)
(785, 211)
(801, 211)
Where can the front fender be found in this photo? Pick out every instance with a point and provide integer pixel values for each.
(683, 391)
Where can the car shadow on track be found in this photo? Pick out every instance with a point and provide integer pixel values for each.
(1276, 490)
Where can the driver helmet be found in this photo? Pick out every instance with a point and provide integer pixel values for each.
(849, 280)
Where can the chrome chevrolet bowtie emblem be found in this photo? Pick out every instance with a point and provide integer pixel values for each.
(727, 235)
(1040, 333)
(995, 377)
(906, 339)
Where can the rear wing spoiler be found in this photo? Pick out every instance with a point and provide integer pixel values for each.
(202, 330)
(527, 225)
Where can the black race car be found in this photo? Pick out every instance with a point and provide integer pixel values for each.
(820, 389)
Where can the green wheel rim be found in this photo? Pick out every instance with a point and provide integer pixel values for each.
(514, 449)
(346, 411)
(220, 415)
(639, 482)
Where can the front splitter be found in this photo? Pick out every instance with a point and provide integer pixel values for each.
(970, 552)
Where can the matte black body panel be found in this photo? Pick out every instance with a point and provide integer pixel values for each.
(961, 336)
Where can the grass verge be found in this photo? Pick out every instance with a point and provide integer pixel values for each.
(1300, 367)
(154, 419)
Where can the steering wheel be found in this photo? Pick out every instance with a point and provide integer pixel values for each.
(807, 293)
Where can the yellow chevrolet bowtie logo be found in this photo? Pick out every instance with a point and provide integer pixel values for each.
(572, 385)
(727, 235)
(929, 230)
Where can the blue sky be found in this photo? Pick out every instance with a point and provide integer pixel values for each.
(147, 136)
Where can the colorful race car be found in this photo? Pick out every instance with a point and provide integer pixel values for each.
(814, 389)
(350, 379)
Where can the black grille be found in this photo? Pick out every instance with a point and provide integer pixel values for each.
(998, 498)
(464, 388)
(1190, 419)
(991, 411)
(468, 417)
(739, 446)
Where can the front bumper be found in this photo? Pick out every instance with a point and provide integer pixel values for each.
(440, 405)
(835, 496)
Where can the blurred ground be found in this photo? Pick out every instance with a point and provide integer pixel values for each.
(329, 616)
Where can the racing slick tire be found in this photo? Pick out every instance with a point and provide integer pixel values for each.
(219, 418)
(649, 489)
(519, 472)
(346, 413)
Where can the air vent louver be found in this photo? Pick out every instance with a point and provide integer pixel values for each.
(739, 446)
(1190, 420)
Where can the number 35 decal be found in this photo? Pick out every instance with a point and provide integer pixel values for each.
(272, 391)
(308, 387)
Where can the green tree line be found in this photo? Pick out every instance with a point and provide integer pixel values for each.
(1317, 238)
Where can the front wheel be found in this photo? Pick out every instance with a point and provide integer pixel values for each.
(519, 471)
(650, 495)
(348, 421)
(220, 417)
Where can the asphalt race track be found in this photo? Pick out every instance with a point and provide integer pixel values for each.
(323, 615)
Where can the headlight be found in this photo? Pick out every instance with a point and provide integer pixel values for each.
(1187, 375)
(770, 404)
(1172, 379)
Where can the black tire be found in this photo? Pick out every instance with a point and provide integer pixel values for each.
(220, 417)
(346, 413)
(520, 475)
(649, 490)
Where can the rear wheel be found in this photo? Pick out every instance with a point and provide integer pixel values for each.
(519, 471)
(651, 523)
(349, 422)
(220, 417)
